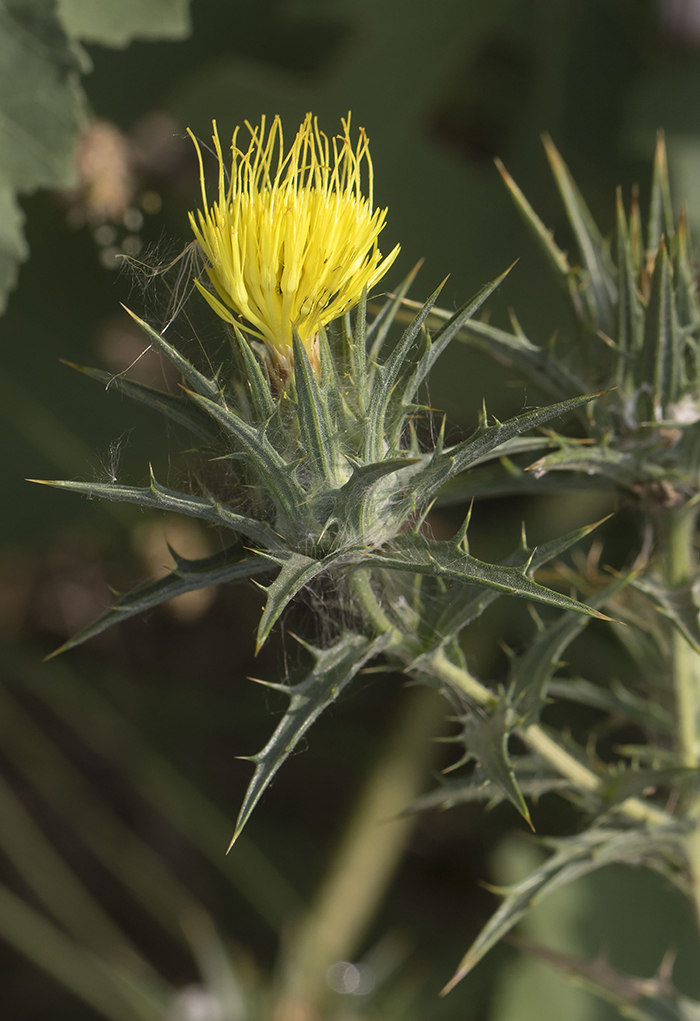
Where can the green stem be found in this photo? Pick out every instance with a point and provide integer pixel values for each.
(371, 605)
(681, 568)
(535, 737)
(542, 743)
(365, 861)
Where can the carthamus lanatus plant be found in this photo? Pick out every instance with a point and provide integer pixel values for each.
(320, 408)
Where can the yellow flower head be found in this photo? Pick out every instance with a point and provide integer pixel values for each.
(291, 240)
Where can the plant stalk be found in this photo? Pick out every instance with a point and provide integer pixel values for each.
(542, 743)
(534, 735)
(681, 568)
(365, 861)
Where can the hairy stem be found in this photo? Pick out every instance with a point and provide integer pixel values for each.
(371, 605)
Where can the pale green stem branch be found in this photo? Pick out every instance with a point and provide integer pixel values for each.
(364, 863)
(681, 568)
(371, 605)
(535, 737)
(540, 742)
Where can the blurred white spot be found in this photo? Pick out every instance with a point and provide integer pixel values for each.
(105, 235)
(109, 257)
(193, 1003)
(133, 219)
(131, 245)
(685, 411)
(350, 979)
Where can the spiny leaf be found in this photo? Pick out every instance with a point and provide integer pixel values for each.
(593, 252)
(257, 381)
(621, 468)
(639, 999)
(168, 499)
(517, 445)
(447, 333)
(531, 672)
(352, 499)
(630, 317)
(337, 410)
(173, 406)
(575, 857)
(508, 479)
(334, 669)
(555, 256)
(661, 207)
(621, 784)
(636, 242)
(377, 331)
(316, 430)
(487, 438)
(276, 476)
(442, 559)
(187, 576)
(386, 378)
(532, 777)
(296, 571)
(462, 604)
(687, 303)
(616, 700)
(200, 383)
(658, 366)
(485, 738)
(355, 360)
(680, 605)
(511, 349)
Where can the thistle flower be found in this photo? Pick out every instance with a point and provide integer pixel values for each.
(290, 246)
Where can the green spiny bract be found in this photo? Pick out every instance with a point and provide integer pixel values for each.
(635, 327)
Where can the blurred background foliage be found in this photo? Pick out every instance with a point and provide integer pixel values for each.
(118, 781)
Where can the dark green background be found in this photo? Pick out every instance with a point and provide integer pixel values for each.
(442, 89)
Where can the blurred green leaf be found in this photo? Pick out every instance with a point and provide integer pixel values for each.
(41, 112)
(116, 24)
(575, 857)
(680, 605)
(42, 105)
(113, 736)
(639, 999)
(616, 700)
(96, 982)
(533, 779)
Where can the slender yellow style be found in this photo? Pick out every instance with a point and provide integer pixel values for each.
(291, 241)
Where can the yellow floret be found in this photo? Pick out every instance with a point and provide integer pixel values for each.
(291, 241)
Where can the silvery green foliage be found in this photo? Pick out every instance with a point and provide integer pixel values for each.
(635, 327)
(341, 486)
(338, 485)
